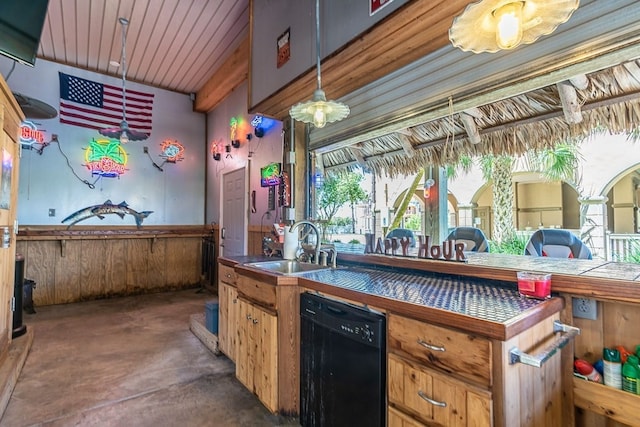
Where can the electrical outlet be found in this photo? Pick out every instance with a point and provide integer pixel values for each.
(585, 308)
(145, 149)
(52, 212)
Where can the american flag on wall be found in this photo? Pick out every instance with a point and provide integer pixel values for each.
(96, 105)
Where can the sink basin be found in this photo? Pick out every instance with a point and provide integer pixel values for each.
(287, 266)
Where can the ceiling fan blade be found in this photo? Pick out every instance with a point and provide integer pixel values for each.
(34, 108)
(134, 135)
(113, 133)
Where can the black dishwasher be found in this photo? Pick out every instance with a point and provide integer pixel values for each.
(342, 364)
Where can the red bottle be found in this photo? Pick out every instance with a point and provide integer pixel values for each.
(585, 368)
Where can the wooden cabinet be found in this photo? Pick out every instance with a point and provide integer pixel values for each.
(10, 119)
(446, 377)
(257, 355)
(268, 337)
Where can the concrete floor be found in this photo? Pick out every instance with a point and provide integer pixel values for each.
(129, 362)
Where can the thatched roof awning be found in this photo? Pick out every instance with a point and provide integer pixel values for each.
(532, 121)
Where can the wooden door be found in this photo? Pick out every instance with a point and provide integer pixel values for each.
(232, 325)
(244, 353)
(266, 364)
(223, 321)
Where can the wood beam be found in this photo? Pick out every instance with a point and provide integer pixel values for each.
(409, 33)
(569, 100)
(233, 72)
(406, 145)
(355, 151)
(470, 126)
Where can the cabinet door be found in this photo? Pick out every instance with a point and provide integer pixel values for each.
(232, 322)
(245, 345)
(436, 398)
(266, 358)
(228, 322)
(223, 321)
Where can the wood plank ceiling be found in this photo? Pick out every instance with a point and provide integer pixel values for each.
(171, 44)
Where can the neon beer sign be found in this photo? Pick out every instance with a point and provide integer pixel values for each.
(105, 158)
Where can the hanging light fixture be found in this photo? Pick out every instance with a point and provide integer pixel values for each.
(318, 110)
(124, 133)
(492, 25)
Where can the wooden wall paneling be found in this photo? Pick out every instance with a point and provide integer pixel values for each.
(621, 322)
(67, 280)
(136, 264)
(156, 263)
(254, 246)
(40, 267)
(193, 266)
(92, 266)
(180, 258)
(115, 268)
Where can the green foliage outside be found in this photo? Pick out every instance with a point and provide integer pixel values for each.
(514, 245)
(413, 222)
(336, 191)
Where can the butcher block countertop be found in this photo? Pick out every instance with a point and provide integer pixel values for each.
(485, 306)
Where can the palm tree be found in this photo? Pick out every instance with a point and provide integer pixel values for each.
(559, 163)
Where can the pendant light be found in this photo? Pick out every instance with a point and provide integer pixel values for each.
(492, 25)
(124, 133)
(318, 110)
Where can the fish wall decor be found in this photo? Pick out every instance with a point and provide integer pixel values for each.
(107, 207)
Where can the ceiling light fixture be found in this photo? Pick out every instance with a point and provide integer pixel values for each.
(124, 133)
(492, 25)
(318, 110)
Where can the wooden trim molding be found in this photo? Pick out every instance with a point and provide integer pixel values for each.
(225, 80)
(36, 232)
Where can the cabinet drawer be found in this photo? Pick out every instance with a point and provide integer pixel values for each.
(256, 291)
(463, 355)
(435, 398)
(227, 274)
(396, 418)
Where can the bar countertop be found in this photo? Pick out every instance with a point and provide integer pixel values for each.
(488, 307)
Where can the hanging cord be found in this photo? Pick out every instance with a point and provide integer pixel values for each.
(155, 165)
(54, 138)
(452, 132)
(13, 67)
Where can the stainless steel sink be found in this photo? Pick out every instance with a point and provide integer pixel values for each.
(287, 266)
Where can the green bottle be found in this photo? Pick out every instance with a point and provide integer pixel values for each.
(631, 375)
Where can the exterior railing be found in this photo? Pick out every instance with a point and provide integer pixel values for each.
(622, 246)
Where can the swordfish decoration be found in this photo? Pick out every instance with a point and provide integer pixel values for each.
(107, 207)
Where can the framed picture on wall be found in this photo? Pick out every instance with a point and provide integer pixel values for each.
(5, 180)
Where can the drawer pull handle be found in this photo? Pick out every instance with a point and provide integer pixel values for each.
(538, 360)
(248, 317)
(228, 276)
(431, 346)
(255, 321)
(431, 401)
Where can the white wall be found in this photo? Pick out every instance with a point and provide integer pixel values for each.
(176, 196)
(265, 150)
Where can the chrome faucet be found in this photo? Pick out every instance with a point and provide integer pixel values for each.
(316, 257)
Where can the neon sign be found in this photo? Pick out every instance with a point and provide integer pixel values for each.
(30, 137)
(106, 158)
(172, 150)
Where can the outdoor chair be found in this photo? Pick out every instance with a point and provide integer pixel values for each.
(472, 237)
(556, 243)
